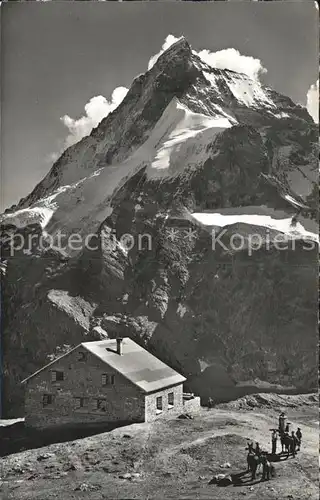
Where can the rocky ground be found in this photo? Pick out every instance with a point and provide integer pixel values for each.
(173, 460)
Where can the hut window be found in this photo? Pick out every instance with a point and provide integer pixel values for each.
(107, 379)
(57, 376)
(170, 400)
(47, 399)
(80, 402)
(159, 404)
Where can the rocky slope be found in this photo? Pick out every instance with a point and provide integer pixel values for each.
(188, 142)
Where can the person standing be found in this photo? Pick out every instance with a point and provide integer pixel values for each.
(299, 438)
(274, 438)
(293, 444)
(282, 422)
(266, 467)
(250, 448)
(257, 450)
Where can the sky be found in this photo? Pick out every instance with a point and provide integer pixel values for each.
(55, 61)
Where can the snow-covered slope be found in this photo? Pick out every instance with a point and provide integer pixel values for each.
(175, 145)
(40, 214)
(246, 91)
(183, 137)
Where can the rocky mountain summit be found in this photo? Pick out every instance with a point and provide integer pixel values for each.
(178, 201)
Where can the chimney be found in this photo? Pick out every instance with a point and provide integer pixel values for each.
(119, 346)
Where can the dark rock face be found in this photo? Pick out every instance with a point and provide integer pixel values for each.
(220, 316)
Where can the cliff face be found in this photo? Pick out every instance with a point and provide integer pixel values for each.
(202, 170)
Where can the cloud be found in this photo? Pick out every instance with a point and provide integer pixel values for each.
(232, 59)
(313, 101)
(52, 157)
(223, 59)
(95, 110)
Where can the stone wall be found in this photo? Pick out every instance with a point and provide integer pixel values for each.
(192, 405)
(124, 401)
(151, 404)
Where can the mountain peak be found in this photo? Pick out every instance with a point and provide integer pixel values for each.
(180, 49)
(181, 44)
(177, 73)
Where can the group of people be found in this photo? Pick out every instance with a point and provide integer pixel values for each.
(258, 457)
(290, 444)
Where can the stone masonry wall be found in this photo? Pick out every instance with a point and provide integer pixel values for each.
(125, 402)
(192, 405)
(151, 405)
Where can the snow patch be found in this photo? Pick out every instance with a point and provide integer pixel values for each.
(123, 248)
(181, 310)
(212, 79)
(203, 364)
(249, 92)
(10, 421)
(26, 216)
(282, 225)
(289, 198)
(281, 115)
(181, 131)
